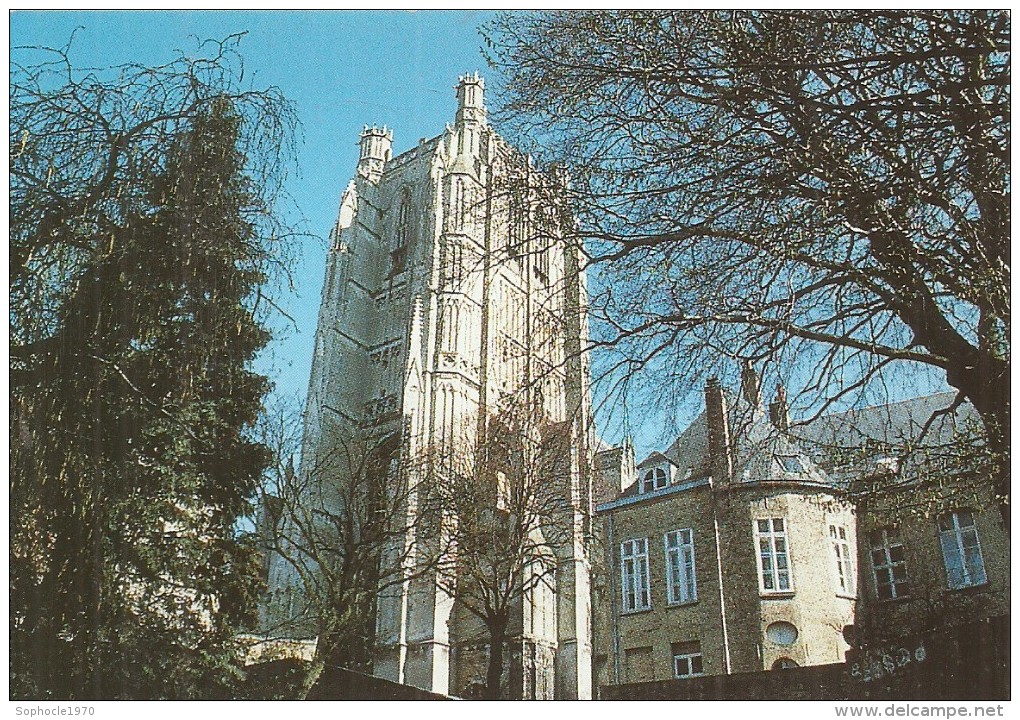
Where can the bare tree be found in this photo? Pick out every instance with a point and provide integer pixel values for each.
(507, 512)
(821, 190)
(144, 228)
(350, 525)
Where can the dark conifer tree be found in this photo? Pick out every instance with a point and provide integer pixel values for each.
(131, 457)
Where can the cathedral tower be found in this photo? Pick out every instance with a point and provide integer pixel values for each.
(449, 287)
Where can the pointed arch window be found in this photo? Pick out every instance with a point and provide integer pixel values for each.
(459, 204)
(398, 256)
(404, 219)
(453, 262)
(518, 220)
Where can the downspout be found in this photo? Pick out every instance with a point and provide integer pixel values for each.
(613, 618)
(719, 571)
(720, 461)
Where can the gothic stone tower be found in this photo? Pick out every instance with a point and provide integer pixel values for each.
(441, 299)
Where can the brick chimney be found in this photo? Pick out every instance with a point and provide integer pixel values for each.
(779, 412)
(749, 384)
(720, 459)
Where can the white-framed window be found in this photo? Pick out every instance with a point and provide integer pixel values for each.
(961, 550)
(634, 575)
(774, 573)
(687, 660)
(681, 586)
(845, 566)
(888, 564)
(654, 479)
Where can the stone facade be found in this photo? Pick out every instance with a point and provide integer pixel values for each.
(449, 288)
(934, 553)
(931, 598)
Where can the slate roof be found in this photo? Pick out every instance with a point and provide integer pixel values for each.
(655, 458)
(761, 451)
(859, 442)
(893, 424)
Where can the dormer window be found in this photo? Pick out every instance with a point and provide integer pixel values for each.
(791, 463)
(654, 479)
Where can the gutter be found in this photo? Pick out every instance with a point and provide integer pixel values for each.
(644, 497)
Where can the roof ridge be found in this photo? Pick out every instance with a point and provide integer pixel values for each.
(423, 141)
(877, 406)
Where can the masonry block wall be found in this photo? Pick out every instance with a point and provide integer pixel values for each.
(732, 622)
(792, 565)
(908, 532)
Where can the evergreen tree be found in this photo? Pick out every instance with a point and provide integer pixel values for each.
(130, 457)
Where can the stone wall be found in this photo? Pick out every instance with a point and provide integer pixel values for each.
(913, 510)
(970, 662)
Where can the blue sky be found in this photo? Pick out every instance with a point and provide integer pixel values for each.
(341, 69)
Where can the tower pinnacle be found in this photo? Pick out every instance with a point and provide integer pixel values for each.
(471, 98)
(376, 150)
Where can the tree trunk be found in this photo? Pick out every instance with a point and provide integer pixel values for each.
(494, 673)
(987, 386)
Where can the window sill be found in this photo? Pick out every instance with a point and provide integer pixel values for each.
(686, 603)
(893, 601)
(970, 588)
(639, 611)
(776, 594)
(847, 596)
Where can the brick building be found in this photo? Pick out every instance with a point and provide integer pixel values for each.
(753, 544)
(729, 552)
(933, 549)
